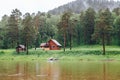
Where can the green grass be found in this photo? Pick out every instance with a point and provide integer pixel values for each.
(82, 53)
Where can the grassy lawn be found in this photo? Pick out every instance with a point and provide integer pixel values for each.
(82, 53)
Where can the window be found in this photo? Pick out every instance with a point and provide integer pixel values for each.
(53, 46)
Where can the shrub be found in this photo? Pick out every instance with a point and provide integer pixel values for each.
(2, 52)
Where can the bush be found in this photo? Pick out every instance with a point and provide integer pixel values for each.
(2, 52)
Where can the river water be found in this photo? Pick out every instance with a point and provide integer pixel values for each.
(60, 70)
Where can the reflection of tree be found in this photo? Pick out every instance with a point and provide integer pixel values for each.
(18, 68)
(53, 71)
(104, 71)
(37, 70)
(26, 71)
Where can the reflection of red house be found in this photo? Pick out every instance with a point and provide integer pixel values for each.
(52, 44)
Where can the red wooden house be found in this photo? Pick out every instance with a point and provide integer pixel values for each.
(52, 44)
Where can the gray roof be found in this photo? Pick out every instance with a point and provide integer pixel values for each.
(22, 46)
(56, 42)
(44, 44)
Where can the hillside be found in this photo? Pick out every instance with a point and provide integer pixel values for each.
(80, 5)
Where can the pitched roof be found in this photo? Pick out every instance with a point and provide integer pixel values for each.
(44, 44)
(20, 46)
(56, 42)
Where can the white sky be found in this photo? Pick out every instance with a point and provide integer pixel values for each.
(6, 6)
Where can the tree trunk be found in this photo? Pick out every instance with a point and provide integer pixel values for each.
(27, 48)
(103, 43)
(18, 49)
(118, 37)
(64, 41)
(70, 42)
(78, 38)
(35, 43)
(18, 37)
(12, 44)
(41, 38)
(108, 39)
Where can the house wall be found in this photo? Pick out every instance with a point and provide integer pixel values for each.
(53, 46)
(20, 49)
(46, 49)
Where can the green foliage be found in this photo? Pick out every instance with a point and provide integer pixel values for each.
(79, 29)
(64, 26)
(116, 11)
(88, 22)
(12, 33)
(103, 24)
(92, 52)
(103, 28)
(2, 52)
(117, 29)
(28, 30)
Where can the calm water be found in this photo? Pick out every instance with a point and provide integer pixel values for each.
(59, 70)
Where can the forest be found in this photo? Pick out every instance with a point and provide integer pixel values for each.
(81, 5)
(88, 27)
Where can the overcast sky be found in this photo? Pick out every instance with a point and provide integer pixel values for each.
(6, 6)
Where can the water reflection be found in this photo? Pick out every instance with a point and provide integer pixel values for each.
(59, 70)
(104, 71)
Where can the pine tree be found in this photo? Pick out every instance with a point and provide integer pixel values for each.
(63, 26)
(103, 27)
(36, 23)
(12, 32)
(28, 30)
(117, 29)
(17, 15)
(88, 23)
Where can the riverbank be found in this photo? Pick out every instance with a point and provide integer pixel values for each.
(82, 53)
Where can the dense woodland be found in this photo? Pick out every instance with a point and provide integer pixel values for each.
(81, 5)
(88, 27)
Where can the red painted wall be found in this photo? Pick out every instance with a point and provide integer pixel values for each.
(53, 46)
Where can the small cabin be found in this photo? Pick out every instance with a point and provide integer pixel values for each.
(44, 46)
(52, 44)
(20, 48)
